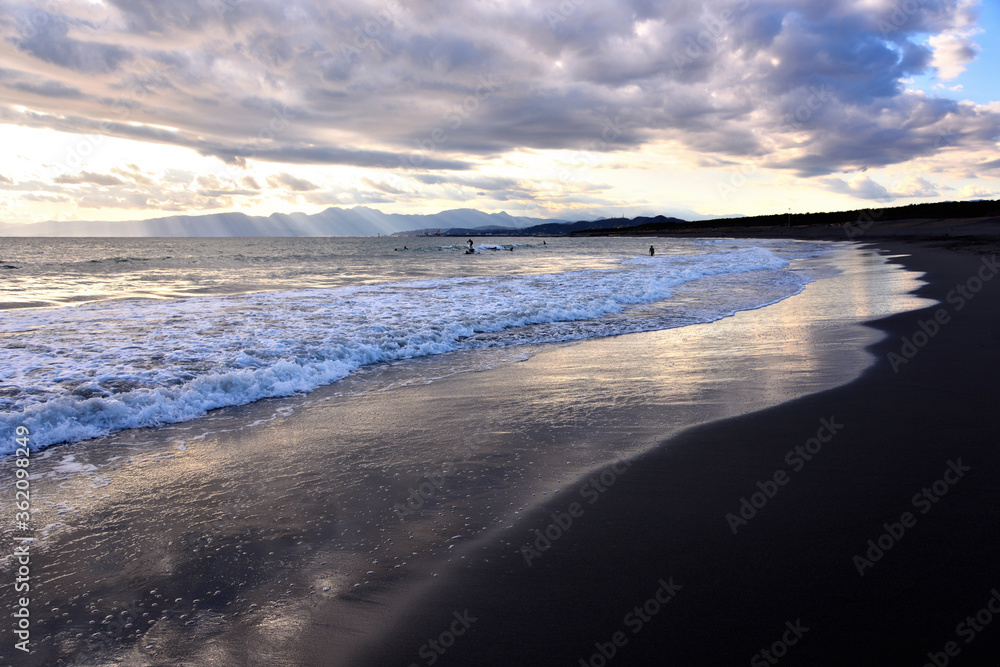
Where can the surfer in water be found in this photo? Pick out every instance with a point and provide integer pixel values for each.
(651, 251)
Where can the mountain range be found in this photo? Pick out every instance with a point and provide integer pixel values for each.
(604, 225)
(357, 221)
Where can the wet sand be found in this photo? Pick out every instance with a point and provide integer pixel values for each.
(351, 528)
(653, 573)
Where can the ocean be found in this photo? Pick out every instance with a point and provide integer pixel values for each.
(252, 451)
(102, 335)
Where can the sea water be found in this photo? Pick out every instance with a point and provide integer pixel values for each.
(101, 335)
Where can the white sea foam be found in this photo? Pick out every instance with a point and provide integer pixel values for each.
(86, 371)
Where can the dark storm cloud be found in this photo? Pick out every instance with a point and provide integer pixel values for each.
(885, 134)
(811, 87)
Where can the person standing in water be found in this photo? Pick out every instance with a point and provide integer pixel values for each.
(651, 251)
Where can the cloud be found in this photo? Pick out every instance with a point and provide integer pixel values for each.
(55, 89)
(132, 173)
(492, 183)
(976, 192)
(346, 198)
(864, 187)
(809, 88)
(228, 193)
(104, 200)
(212, 186)
(88, 177)
(4, 179)
(861, 187)
(209, 181)
(31, 196)
(989, 165)
(382, 187)
(136, 190)
(914, 186)
(145, 17)
(50, 41)
(952, 52)
(285, 180)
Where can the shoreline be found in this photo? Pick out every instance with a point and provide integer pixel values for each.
(793, 564)
(971, 231)
(209, 518)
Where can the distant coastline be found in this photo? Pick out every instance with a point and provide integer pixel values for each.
(363, 221)
(932, 218)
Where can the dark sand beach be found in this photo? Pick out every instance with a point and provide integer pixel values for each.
(787, 582)
(276, 538)
(382, 333)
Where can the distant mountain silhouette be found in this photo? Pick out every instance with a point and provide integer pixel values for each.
(558, 228)
(357, 221)
(946, 210)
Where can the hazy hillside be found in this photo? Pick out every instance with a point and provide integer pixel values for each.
(358, 221)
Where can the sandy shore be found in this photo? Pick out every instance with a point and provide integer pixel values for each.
(881, 548)
(346, 528)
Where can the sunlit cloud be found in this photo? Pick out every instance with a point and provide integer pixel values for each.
(137, 108)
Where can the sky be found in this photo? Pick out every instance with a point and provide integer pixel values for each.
(135, 109)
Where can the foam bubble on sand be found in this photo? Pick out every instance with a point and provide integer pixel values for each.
(69, 464)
